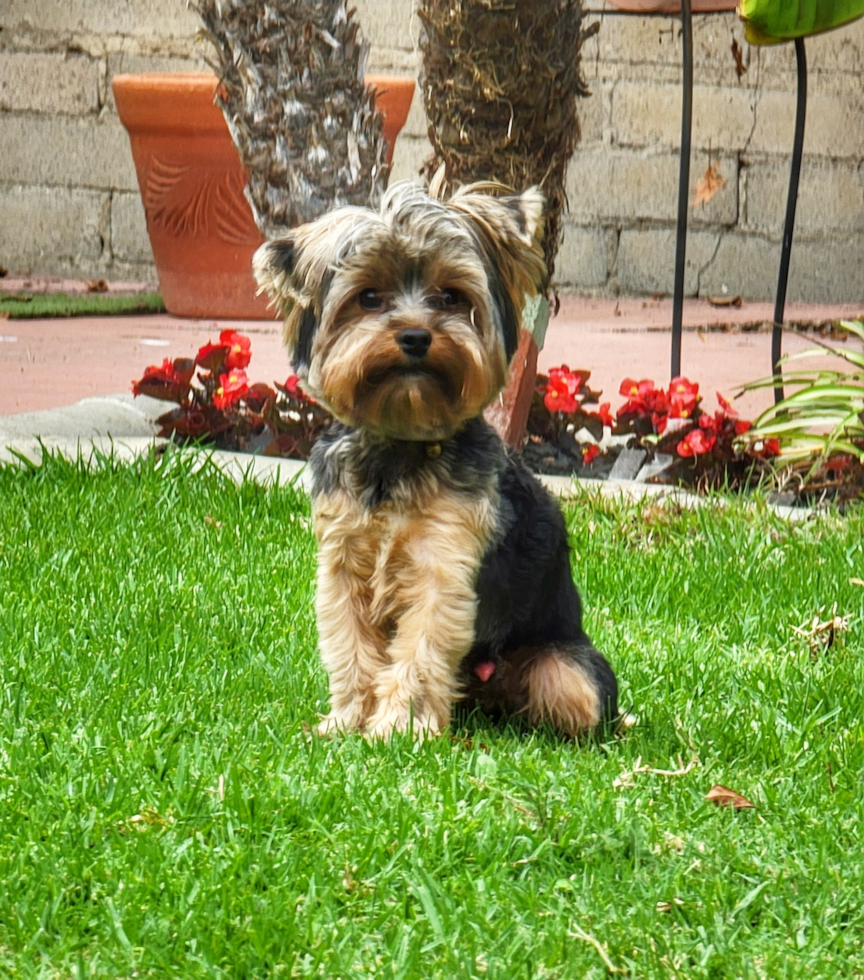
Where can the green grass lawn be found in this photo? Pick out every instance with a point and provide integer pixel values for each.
(32, 306)
(164, 813)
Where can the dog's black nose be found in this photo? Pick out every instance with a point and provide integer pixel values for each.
(414, 341)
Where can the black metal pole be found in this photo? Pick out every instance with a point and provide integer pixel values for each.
(789, 225)
(683, 183)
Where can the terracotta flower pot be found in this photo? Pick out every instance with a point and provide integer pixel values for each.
(200, 225)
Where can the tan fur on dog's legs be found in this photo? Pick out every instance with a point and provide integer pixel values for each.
(435, 630)
(350, 649)
(351, 644)
(421, 678)
(431, 639)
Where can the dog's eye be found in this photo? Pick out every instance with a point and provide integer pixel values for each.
(370, 299)
(447, 298)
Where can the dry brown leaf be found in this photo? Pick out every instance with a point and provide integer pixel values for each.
(820, 634)
(736, 301)
(4, 314)
(96, 286)
(723, 796)
(708, 185)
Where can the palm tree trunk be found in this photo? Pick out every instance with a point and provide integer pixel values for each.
(299, 114)
(500, 80)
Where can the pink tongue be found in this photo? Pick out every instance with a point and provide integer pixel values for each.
(485, 670)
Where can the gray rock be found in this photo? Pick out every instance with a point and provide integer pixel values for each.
(661, 462)
(628, 464)
(117, 416)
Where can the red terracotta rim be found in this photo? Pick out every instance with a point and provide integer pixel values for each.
(138, 109)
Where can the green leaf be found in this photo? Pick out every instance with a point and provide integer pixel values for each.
(774, 21)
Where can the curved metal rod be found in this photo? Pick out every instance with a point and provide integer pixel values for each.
(789, 225)
(683, 183)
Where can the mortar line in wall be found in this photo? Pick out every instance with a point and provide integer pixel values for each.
(709, 263)
(758, 92)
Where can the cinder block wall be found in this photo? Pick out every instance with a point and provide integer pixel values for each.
(69, 202)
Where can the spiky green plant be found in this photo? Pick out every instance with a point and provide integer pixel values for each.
(825, 415)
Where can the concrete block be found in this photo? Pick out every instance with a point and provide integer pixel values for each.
(747, 265)
(133, 18)
(632, 40)
(53, 230)
(582, 258)
(738, 119)
(835, 123)
(594, 114)
(646, 260)
(129, 239)
(68, 151)
(628, 185)
(388, 25)
(650, 115)
(408, 158)
(49, 83)
(830, 198)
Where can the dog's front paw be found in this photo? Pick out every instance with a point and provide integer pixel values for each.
(339, 722)
(385, 723)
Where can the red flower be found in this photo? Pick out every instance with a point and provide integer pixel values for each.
(636, 389)
(605, 415)
(211, 357)
(561, 391)
(682, 398)
(239, 349)
(589, 454)
(170, 382)
(292, 385)
(232, 387)
(726, 407)
(695, 443)
(741, 427)
(644, 399)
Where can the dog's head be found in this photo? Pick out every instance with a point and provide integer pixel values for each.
(403, 320)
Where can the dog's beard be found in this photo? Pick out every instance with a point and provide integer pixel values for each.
(367, 382)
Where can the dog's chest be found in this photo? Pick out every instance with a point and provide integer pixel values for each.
(398, 556)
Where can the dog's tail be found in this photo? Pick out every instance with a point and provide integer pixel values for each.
(571, 687)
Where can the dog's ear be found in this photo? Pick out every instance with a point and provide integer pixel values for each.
(274, 266)
(510, 230)
(295, 271)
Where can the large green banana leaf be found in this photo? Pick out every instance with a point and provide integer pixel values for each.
(775, 21)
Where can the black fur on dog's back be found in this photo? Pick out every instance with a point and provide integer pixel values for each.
(525, 591)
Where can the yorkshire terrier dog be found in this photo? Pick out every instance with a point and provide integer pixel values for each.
(443, 571)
